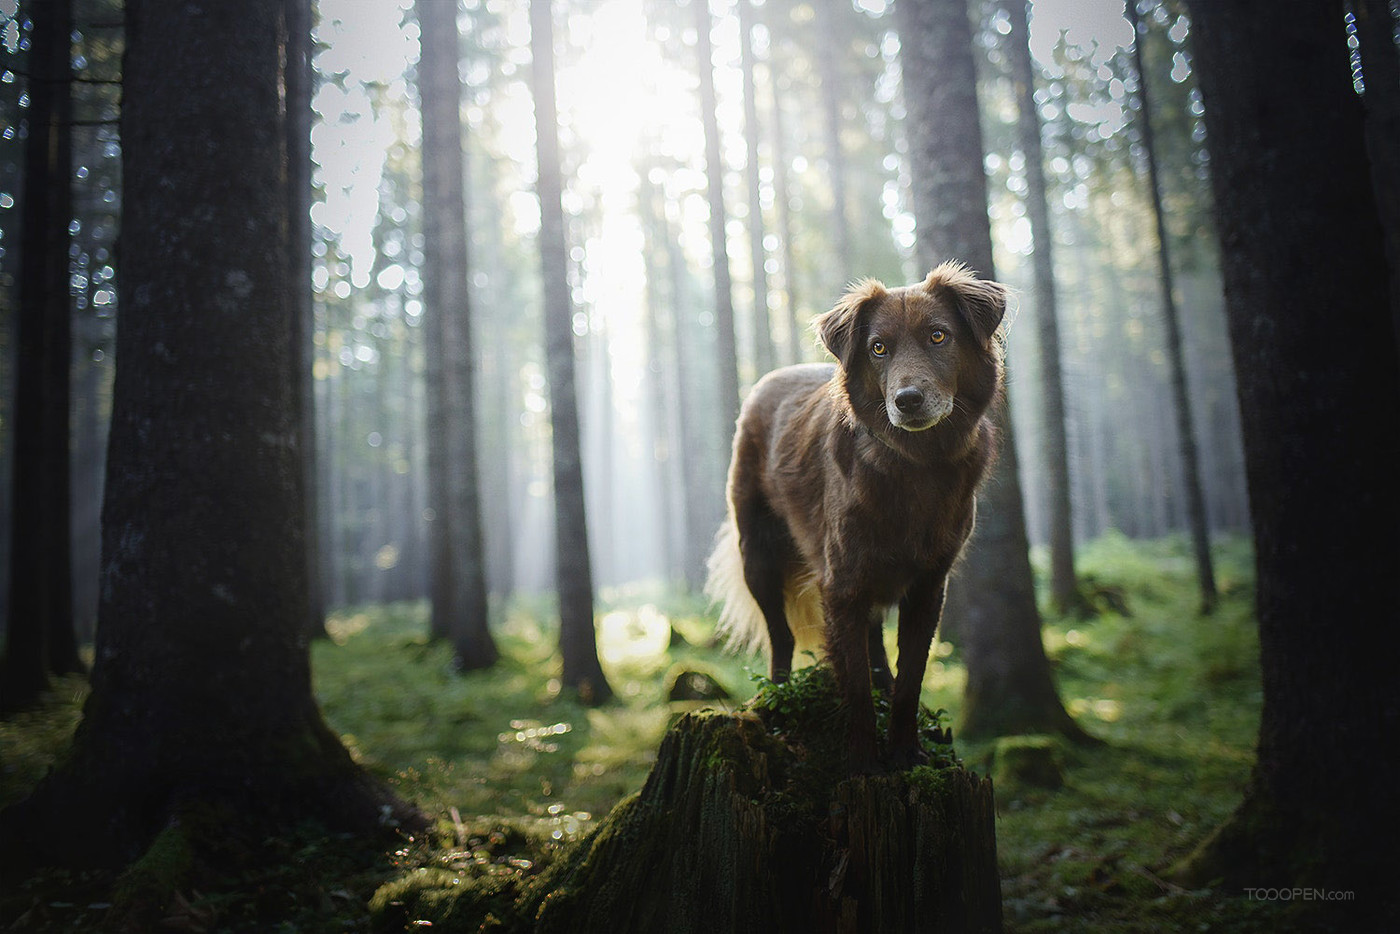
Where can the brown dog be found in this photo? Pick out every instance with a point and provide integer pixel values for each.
(852, 488)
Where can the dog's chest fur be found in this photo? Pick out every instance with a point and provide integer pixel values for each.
(870, 518)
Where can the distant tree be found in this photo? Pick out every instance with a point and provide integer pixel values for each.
(833, 25)
(577, 636)
(1064, 587)
(458, 589)
(300, 77)
(1009, 684)
(782, 204)
(201, 697)
(762, 333)
(667, 265)
(1318, 377)
(1176, 351)
(727, 367)
(40, 636)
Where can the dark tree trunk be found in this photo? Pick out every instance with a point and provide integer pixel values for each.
(727, 367)
(783, 207)
(762, 333)
(1380, 67)
(300, 76)
(1308, 310)
(39, 635)
(992, 596)
(578, 641)
(201, 699)
(1064, 587)
(459, 596)
(831, 41)
(1176, 353)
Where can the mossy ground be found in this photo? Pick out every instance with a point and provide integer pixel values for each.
(512, 768)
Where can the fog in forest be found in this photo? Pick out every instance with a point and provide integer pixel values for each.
(825, 120)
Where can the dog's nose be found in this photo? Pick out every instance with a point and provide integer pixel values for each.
(908, 399)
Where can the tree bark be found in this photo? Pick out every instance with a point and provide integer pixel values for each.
(727, 836)
(992, 597)
(1380, 67)
(574, 570)
(1176, 353)
(1064, 587)
(727, 364)
(1308, 310)
(201, 696)
(762, 333)
(300, 79)
(460, 604)
(830, 34)
(782, 201)
(39, 635)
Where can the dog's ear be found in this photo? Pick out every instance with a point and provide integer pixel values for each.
(837, 328)
(981, 302)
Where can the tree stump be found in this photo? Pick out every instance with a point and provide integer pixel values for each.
(749, 823)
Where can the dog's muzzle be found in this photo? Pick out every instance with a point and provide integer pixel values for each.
(912, 410)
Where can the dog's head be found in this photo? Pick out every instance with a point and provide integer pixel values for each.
(912, 356)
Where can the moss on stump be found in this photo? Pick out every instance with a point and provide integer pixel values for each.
(748, 823)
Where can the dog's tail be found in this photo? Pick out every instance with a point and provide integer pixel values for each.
(741, 622)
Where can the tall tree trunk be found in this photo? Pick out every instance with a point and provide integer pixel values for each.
(1307, 302)
(39, 634)
(458, 550)
(574, 571)
(300, 77)
(833, 51)
(762, 333)
(1009, 686)
(201, 696)
(661, 410)
(1181, 395)
(782, 202)
(1380, 67)
(727, 366)
(677, 365)
(1064, 587)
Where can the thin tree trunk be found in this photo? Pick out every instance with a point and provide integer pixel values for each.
(1064, 587)
(700, 521)
(830, 33)
(459, 552)
(1307, 304)
(299, 90)
(39, 634)
(762, 334)
(1010, 688)
(660, 391)
(574, 570)
(727, 364)
(783, 203)
(1185, 423)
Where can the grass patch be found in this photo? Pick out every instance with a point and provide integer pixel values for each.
(513, 768)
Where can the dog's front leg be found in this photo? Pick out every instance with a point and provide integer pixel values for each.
(918, 621)
(847, 628)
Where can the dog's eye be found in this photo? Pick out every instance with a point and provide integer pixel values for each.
(878, 348)
(939, 337)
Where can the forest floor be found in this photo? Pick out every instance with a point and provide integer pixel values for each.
(513, 769)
